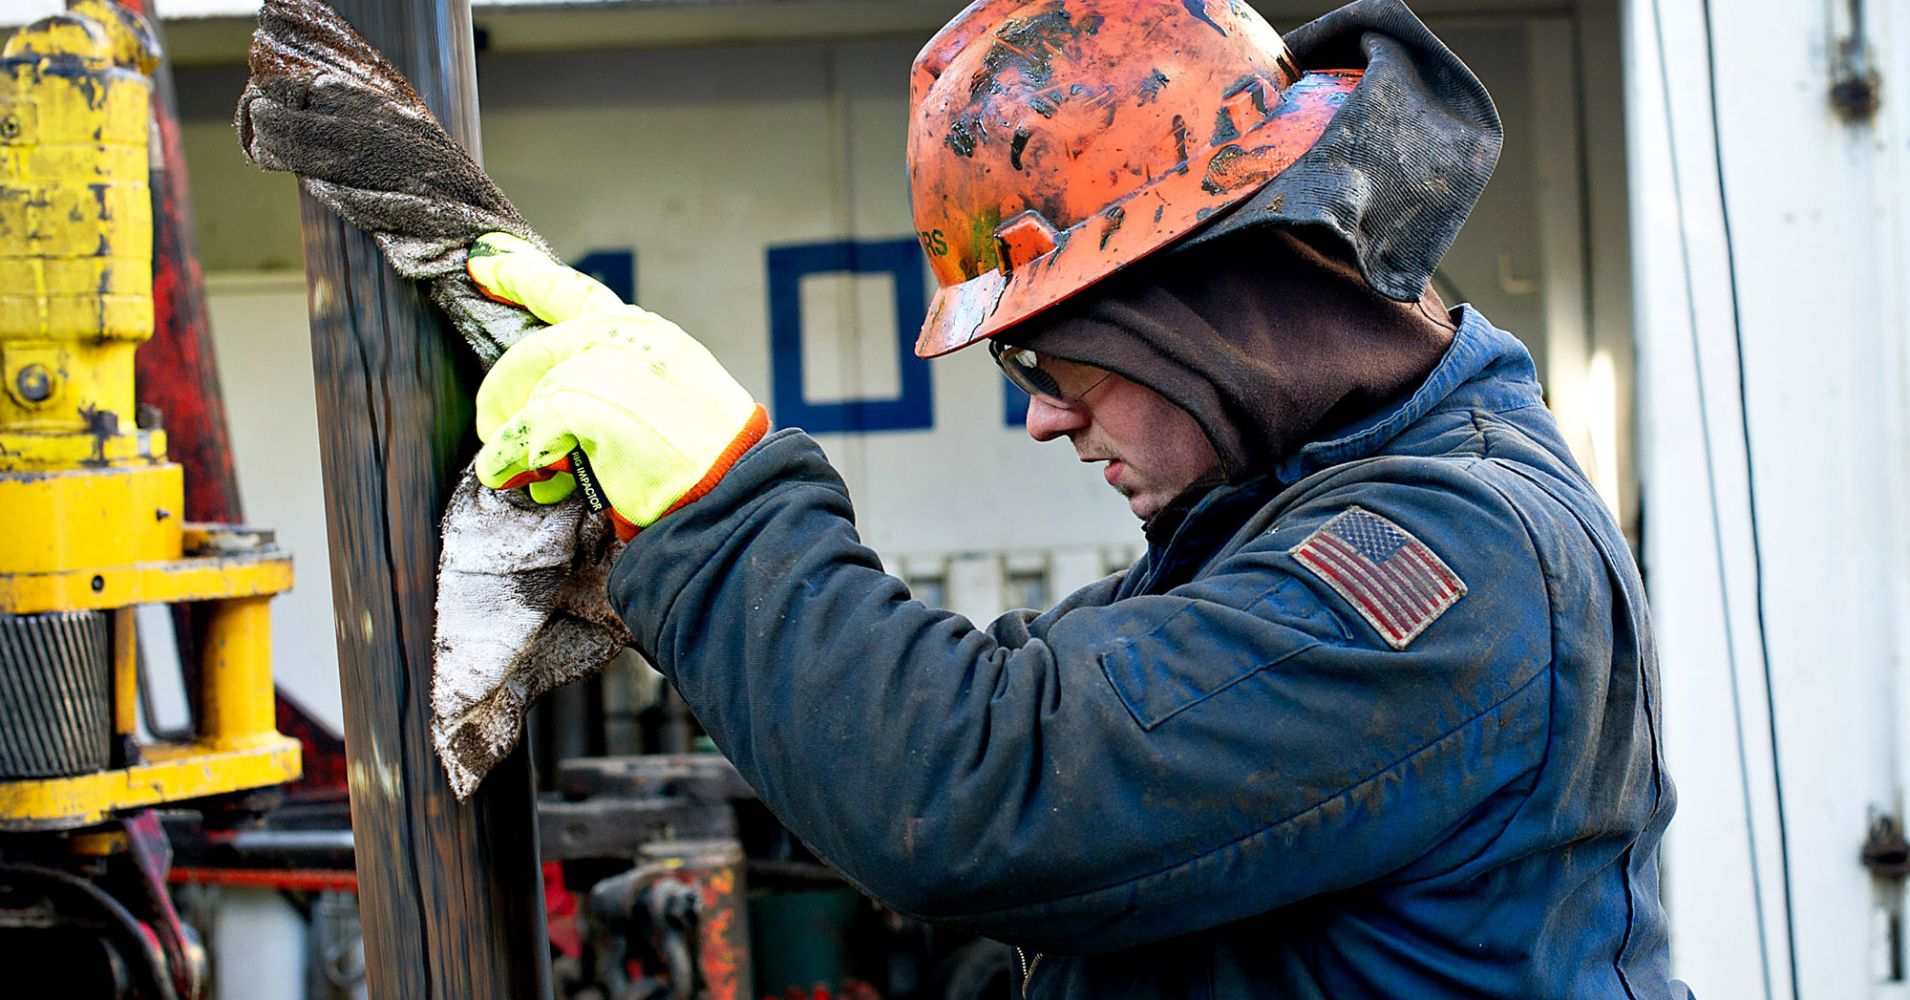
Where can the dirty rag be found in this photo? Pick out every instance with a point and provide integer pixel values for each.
(521, 607)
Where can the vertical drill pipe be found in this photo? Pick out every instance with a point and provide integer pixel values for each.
(452, 895)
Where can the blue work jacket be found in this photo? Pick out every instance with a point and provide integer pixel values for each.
(1229, 771)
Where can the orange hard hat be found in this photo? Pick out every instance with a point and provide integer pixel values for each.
(1054, 142)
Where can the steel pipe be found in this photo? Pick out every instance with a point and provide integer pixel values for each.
(451, 893)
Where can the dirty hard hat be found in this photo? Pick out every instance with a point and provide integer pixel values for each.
(1055, 142)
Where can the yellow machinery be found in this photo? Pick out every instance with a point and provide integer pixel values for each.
(90, 509)
(91, 525)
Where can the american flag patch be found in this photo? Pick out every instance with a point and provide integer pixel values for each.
(1395, 581)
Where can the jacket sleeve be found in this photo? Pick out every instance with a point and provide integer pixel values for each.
(1110, 773)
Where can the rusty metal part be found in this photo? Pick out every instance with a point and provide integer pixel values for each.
(1856, 88)
(1886, 854)
(617, 828)
(1053, 143)
(687, 900)
(684, 903)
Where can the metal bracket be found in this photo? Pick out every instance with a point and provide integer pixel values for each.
(1886, 854)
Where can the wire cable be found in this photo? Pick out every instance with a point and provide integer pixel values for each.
(1711, 476)
(1750, 495)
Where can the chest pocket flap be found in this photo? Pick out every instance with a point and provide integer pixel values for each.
(1206, 647)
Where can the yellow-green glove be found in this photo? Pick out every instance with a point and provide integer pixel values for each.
(659, 420)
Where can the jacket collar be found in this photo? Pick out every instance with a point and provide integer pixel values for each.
(1478, 348)
(1179, 543)
(1485, 368)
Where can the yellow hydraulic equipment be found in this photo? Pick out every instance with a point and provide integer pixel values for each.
(90, 509)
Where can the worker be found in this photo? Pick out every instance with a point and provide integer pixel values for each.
(1376, 714)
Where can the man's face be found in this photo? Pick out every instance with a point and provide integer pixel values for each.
(1153, 450)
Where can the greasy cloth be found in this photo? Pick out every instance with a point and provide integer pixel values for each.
(521, 606)
(1263, 338)
(1403, 161)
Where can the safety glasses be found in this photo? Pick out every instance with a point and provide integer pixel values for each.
(1058, 382)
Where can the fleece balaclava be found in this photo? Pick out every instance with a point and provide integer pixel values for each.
(1265, 339)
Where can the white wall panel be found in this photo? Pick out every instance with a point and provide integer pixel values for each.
(1816, 427)
(1715, 854)
(265, 370)
(258, 945)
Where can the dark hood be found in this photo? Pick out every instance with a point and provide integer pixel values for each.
(1263, 338)
(1403, 161)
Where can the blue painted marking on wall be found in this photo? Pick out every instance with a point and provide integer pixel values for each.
(1014, 405)
(914, 408)
(617, 269)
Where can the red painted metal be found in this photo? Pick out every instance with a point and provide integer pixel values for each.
(322, 753)
(724, 950)
(714, 869)
(152, 855)
(561, 908)
(289, 880)
(177, 371)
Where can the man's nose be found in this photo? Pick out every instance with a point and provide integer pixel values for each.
(1046, 421)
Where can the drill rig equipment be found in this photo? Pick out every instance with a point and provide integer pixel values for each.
(94, 510)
